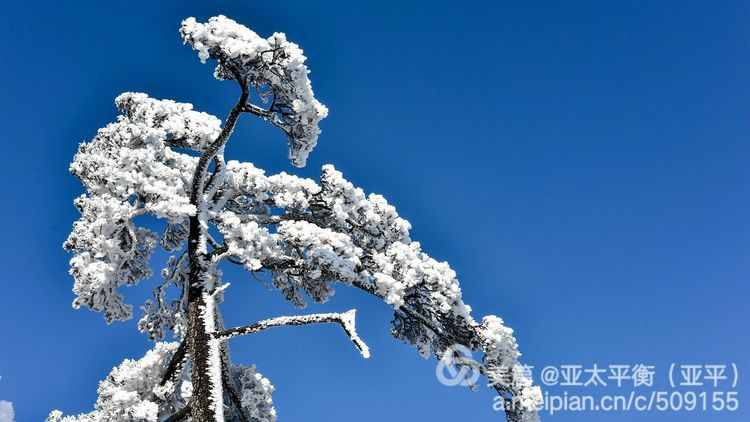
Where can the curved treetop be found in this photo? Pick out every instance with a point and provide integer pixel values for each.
(274, 65)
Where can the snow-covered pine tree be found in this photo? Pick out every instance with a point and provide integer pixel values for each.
(163, 159)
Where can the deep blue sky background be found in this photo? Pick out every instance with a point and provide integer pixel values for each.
(582, 166)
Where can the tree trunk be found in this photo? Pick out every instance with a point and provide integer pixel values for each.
(208, 394)
(207, 401)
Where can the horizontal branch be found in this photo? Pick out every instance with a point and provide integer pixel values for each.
(267, 115)
(345, 320)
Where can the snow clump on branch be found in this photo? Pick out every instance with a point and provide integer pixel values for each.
(274, 66)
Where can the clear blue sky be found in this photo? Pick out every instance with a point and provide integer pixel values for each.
(582, 166)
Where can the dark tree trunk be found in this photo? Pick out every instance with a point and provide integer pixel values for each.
(201, 311)
(204, 387)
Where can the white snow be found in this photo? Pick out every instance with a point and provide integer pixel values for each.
(273, 62)
(214, 356)
(7, 413)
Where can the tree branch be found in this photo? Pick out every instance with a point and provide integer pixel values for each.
(178, 142)
(175, 365)
(181, 414)
(233, 396)
(199, 176)
(345, 320)
(404, 308)
(267, 115)
(512, 413)
(213, 180)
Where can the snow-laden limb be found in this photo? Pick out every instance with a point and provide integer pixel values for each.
(181, 125)
(255, 395)
(346, 320)
(132, 391)
(129, 169)
(504, 372)
(333, 232)
(274, 66)
(133, 157)
(110, 252)
(161, 313)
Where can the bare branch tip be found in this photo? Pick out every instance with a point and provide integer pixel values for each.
(348, 321)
